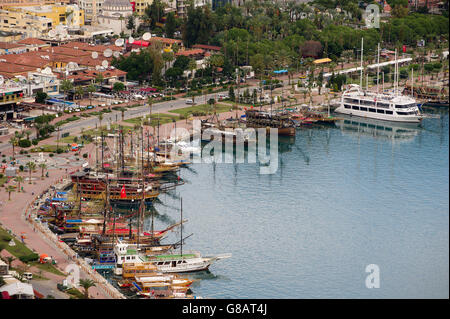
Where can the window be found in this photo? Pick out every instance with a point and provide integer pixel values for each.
(347, 106)
(363, 109)
(402, 113)
(380, 111)
(355, 107)
(388, 112)
(372, 110)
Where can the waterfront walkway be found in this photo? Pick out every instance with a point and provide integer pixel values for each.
(12, 217)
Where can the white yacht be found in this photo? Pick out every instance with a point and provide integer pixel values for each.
(380, 106)
(392, 106)
(165, 263)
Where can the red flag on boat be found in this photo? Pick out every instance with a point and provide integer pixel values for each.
(404, 48)
(123, 194)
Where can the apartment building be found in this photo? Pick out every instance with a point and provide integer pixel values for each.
(15, 20)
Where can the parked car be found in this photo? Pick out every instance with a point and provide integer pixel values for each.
(189, 101)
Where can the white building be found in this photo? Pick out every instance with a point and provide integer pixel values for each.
(114, 14)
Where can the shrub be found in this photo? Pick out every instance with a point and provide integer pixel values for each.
(85, 155)
(24, 143)
(35, 142)
(51, 155)
(21, 168)
(28, 258)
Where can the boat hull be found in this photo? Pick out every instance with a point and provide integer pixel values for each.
(382, 117)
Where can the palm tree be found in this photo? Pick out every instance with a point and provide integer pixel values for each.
(99, 79)
(86, 284)
(79, 91)
(150, 104)
(100, 118)
(18, 179)
(13, 142)
(43, 167)
(9, 260)
(10, 189)
(66, 86)
(31, 166)
(91, 89)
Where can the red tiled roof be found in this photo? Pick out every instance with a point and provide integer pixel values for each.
(32, 41)
(190, 52)
(7, 45)
(207, 47)
(32, 59)
(9, 69)
(66, 51)
(90, 48)
(165, 40)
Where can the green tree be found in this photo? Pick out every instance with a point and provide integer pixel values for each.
(43, 166)
(18, 179)
(150, 105)
(79, 91)
(9, 260)
(170, 25)
(99, 79)
(131, 23)
(40, 97)
(118, 86)
(13, 141)
(153, 13)
(66, 86)
(86, 284)
(31, 167)
(100, 118)
(91, 89)
(9, 189)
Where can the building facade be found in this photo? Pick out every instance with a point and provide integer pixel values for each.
(114, 14)
(91, 8)
(15, 20)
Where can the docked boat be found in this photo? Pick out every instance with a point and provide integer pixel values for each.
(92, 186)
(259, 119)
(380, 106)
(167, 263)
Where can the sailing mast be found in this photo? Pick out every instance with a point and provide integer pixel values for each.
(378, 67)
(142, 208)
(181, 225)
(395, 74)
(361, 72)
(102, 139)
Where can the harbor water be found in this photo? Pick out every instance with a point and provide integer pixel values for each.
(343, 197)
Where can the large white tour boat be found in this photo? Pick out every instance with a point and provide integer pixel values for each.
(381, 106)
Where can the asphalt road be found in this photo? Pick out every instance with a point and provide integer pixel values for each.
(135, 112)
(48, 287)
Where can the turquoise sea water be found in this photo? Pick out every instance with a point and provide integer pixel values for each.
(342, 198)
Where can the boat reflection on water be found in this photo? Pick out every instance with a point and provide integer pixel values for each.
(390, 131)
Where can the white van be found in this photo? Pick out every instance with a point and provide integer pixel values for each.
(27, 275)
(189, 101)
